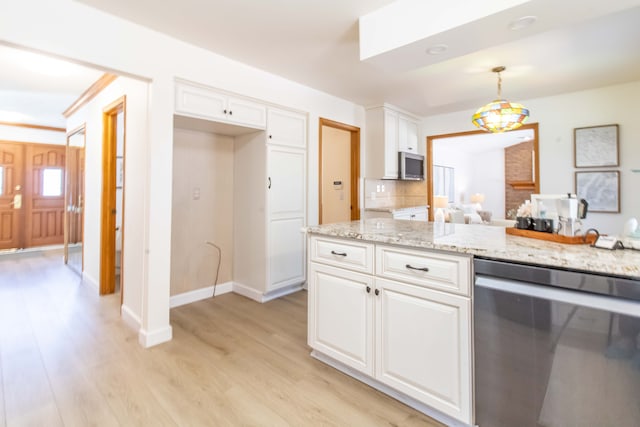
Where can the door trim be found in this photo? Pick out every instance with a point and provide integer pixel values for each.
(108, 213)
(533, 126)
(355, 165)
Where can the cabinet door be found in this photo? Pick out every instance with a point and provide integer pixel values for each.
(407, 135)
(341, 315)
(390, 144)
(286, 215)
(200, 102)
(245, 112)
(423, 346)
(286, 128)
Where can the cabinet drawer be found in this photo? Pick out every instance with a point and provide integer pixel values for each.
(342, 253)
(434, 270)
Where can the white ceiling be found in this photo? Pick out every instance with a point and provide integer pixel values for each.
(574, 45)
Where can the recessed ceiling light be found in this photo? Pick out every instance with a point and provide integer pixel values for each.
(437, 49)
(522, 23)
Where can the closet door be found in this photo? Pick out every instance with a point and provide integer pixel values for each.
(286, 196)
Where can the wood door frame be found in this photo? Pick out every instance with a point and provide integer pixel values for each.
(82, 128)
(108, 204)
(20, 218)
(533, 126)
(355, 165)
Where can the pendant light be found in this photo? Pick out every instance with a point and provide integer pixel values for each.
(500, 115)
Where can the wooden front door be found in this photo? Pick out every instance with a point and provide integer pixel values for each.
(44, 194)
(11, 206)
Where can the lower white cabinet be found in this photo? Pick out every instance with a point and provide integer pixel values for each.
(341, 315)
(407, 336)
(422, 345)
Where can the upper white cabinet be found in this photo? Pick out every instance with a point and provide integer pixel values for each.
(206, 103)
(389, 131)
(286, 128)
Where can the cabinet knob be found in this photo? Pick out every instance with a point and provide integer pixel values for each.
(224, 111)
(270, 136)
(230, 113)
(377, 291)
(368, 289)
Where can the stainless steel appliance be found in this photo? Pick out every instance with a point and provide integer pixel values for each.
(555, 347)
(570, 212)
(410, 166)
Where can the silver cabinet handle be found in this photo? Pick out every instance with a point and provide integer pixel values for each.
(410, 267)
(338, 253)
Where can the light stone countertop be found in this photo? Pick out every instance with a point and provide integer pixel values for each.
(486, 241)
(396, 209)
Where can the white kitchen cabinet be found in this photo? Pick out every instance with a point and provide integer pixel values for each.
(341, 315)
(270, 183)
(286, 128)
(422, 345)
(421, 330)
(407, 134)
(205, 103)
(389, 130)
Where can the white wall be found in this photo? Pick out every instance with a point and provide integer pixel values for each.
(75, 31)
(558, 116)
(25, 134)
(135, 172)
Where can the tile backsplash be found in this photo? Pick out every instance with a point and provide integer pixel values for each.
(382, 193)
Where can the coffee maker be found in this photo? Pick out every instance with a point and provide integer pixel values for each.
(570, 213)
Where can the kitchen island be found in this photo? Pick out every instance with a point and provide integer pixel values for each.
(390, 302)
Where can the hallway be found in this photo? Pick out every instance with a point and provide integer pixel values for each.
(66, 358)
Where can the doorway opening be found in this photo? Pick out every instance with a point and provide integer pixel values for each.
(74, 206)
(112, 212)
(503, 167)
(339, 174)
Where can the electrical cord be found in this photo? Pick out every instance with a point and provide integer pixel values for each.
(215, 283)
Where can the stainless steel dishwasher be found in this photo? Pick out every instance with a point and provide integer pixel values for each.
(555, 347)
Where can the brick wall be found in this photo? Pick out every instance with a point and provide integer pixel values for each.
(518, 167)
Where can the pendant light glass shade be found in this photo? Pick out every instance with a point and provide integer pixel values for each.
(500, 115)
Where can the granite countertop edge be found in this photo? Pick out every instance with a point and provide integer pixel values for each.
(488, 242)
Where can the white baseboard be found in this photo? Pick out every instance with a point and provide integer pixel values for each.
(248, 292)
(91, 282)
(199, 294)
(409, 401)
(281, 292)
(238, 288)
(130, 318)
(150, 338)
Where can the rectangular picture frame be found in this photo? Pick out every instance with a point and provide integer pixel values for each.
(601, 189)
(596, 146)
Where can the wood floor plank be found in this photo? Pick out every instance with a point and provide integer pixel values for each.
(231, 362)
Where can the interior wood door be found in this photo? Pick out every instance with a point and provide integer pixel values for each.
(76, 194)
(11, 176)
(44, 195)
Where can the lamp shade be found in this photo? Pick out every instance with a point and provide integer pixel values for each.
(440, 202)
(500, 116)
(477, 198)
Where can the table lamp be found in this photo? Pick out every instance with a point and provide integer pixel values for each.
(439, 203)
(477, 199)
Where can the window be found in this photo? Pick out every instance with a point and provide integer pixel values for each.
(52, 182)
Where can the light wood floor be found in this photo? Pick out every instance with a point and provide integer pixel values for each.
(66, 358)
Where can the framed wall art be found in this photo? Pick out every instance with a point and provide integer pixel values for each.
(601, 189)
(596, 146)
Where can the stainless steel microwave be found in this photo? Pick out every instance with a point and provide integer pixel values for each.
(410, 166)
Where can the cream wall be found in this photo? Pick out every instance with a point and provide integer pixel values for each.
(558, 116)
(75, 31)
(202, 209)
(135, 171)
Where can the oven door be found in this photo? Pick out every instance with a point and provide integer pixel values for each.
(554, 357)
